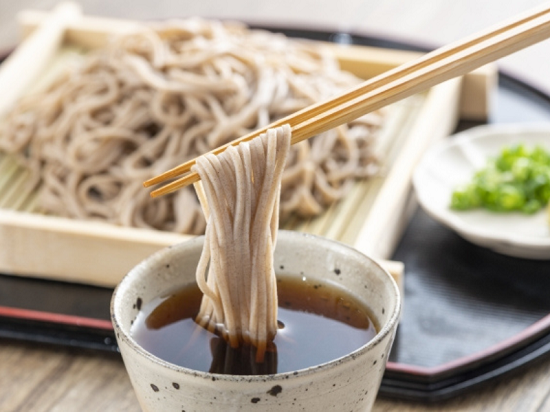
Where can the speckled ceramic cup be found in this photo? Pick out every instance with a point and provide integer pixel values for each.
(349, 383)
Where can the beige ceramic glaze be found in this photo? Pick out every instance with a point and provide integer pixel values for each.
(346, 384)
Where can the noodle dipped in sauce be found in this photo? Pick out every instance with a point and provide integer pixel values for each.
(244, 320)
(318, 322)
(240, 192)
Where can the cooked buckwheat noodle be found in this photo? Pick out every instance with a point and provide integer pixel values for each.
(240, 191)
(168, 93)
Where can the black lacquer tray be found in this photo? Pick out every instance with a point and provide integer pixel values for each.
(470, 315)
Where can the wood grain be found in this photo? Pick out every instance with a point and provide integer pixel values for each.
(34, 378)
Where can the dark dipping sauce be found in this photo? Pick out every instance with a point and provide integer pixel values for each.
(318, 322)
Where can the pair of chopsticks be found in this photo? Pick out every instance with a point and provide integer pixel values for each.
(433, 68)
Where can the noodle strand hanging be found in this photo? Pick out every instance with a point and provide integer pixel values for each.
(239, 191)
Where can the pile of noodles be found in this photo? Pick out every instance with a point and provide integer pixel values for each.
(171, 92)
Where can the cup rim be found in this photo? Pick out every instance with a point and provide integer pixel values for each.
(282, 234)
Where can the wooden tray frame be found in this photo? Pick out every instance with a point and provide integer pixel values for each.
(100, 254)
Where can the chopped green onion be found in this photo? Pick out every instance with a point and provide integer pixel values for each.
(517, 180)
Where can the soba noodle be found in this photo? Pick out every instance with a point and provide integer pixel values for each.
(235, 271)
(171, 92)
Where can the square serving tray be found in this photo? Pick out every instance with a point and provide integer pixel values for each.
(371, 218)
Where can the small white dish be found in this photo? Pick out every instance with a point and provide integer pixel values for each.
(453, 162)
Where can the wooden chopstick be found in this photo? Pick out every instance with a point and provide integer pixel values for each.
(442, 64)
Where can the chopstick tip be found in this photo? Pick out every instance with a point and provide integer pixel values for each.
(175, 185)
(155, 193)
(148, 183)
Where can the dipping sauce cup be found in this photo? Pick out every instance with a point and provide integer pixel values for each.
(349, 383)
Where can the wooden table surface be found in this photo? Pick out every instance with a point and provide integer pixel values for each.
(36, 378)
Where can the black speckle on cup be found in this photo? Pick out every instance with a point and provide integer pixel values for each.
(274, 391)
